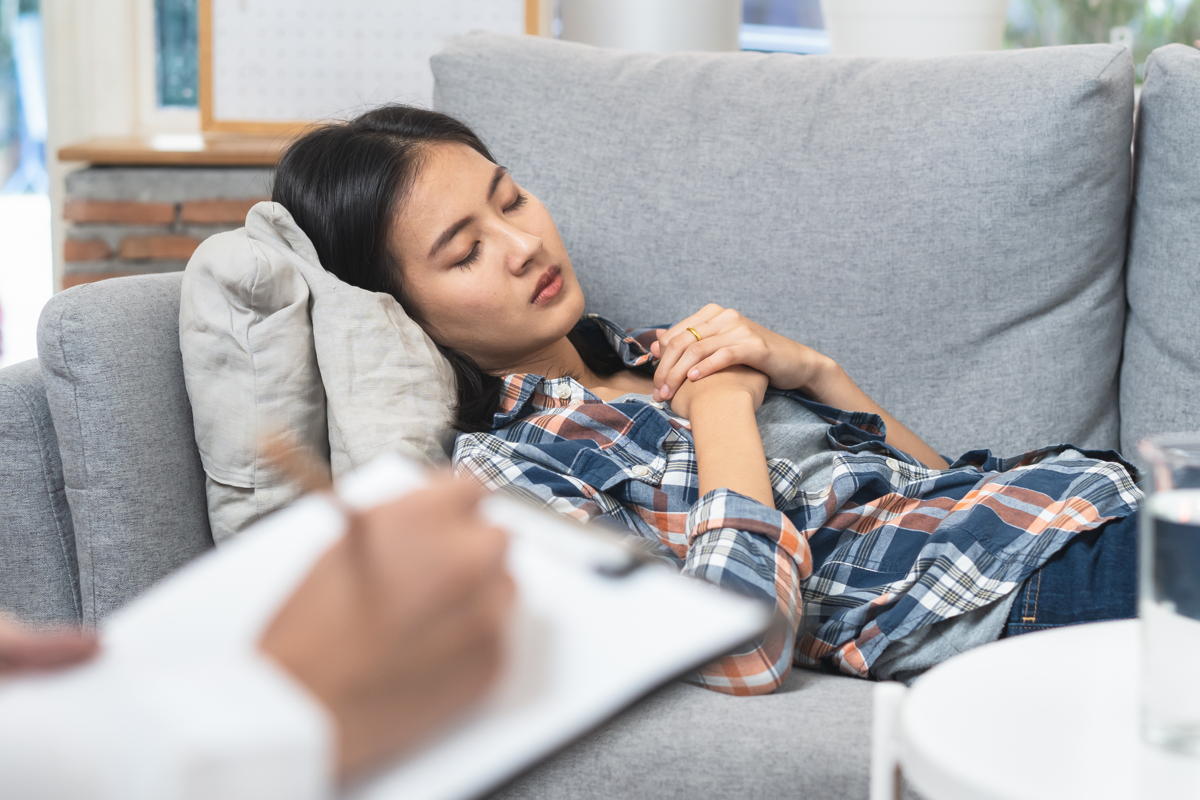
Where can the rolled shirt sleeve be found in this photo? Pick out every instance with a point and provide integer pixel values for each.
(725, 538)
(739, 543)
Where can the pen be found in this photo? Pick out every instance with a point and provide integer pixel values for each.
(297, 463)
(308, 471)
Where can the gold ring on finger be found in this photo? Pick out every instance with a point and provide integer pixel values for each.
(695, 333)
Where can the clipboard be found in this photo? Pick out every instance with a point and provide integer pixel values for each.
(588, 598)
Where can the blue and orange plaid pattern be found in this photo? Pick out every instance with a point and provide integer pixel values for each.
(889, 547)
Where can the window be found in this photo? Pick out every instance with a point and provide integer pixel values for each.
(791, 26)
(167, 69)
(802, 14)
(1143, 25)
(796, 26)
(176, 43)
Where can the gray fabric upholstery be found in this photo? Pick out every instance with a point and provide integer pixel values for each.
(1160, 379)
(809, 740)
(114, 382)
(952, 230)
(39, 579)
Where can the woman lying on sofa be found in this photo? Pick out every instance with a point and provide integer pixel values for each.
(740, 456)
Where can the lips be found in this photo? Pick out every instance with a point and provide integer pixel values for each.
(548, 277)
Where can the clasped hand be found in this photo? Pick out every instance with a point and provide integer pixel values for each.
(731, 342)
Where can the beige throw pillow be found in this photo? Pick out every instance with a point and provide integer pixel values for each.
(272, 341)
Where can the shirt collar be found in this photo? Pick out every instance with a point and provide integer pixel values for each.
(522, 393)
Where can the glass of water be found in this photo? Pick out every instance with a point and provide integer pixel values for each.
(1169, 603)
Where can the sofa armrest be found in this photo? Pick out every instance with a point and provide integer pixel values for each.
(39, 576)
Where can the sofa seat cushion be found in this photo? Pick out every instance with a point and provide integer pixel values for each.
(811, 739)
(952, 229)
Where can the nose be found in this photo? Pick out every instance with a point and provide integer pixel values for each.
(522, 247)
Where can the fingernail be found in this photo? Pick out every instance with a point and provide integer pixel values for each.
(693, 374)
(665, 391)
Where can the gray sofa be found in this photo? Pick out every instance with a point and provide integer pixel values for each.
(969, 236)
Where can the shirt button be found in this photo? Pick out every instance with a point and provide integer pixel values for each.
(640, 470)
(563, 392)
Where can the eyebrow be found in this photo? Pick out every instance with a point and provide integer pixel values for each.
(453, 230)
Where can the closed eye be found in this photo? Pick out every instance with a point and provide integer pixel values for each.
(473, 256)
(520, 201)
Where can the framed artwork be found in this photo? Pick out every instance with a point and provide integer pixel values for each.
(275, 66)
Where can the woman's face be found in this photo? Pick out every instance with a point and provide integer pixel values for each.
(484, 269)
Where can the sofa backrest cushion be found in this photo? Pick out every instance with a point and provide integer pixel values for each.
(39, 579)
(952, 230)
(1160, 377)
(114, 382)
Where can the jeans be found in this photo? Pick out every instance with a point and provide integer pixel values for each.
(1093, 577)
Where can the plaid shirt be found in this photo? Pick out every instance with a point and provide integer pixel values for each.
(889, 547)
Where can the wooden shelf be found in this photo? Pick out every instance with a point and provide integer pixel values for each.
(194, 149)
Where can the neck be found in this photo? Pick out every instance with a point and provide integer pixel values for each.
(557, 360)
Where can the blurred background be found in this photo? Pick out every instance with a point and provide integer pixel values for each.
(26, 275)
(1142, 24)
(73, 69)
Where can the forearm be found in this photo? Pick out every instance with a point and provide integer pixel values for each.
(729, 449)
(835, 388)
(755, 550)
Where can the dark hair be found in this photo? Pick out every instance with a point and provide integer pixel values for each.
(343, 182)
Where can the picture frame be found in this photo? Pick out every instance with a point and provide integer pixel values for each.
(252, 56)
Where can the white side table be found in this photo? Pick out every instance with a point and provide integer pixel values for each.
(1052, 714)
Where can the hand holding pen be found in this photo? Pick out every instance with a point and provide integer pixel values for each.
(399, 627)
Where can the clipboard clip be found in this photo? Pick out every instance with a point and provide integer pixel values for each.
(597, 546)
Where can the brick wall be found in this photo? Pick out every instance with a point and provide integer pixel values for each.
(134, 220)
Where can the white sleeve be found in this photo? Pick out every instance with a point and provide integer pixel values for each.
(234, 727)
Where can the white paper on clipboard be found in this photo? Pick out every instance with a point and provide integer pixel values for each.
(584, 643)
